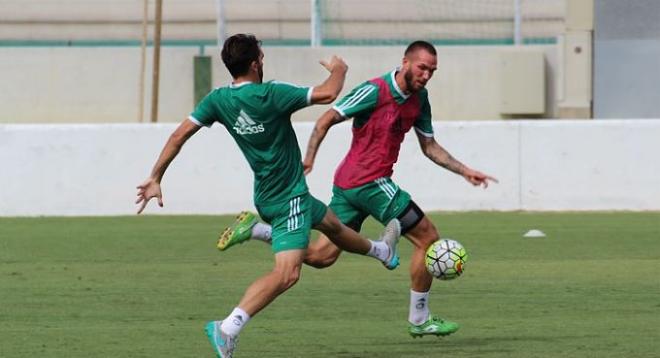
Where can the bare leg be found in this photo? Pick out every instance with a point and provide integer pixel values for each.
(266, 288)
(422, 235)
(343, 236)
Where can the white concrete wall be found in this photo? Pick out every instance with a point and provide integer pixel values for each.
(100, 84)
(83, 85)
(542, 165)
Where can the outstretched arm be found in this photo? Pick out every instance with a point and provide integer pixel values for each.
(328, 91)
(439, 155)
(150, 188)
(323, 124)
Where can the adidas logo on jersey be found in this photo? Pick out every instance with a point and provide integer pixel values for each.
(245, 125)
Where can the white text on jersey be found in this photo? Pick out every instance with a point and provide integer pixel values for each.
(245, 125)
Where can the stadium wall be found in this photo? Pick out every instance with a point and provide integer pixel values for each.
(83, 169)
(100, 84)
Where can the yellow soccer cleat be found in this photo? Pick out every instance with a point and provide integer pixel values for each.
(238, 232)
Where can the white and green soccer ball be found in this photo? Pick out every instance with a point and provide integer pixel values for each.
(445, 259)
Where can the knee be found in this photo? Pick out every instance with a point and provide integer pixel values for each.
(288, 278)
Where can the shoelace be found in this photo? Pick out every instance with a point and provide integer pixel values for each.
(437, 319)
(231, 344)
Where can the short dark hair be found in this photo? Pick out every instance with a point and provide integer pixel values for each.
(419, 44)
(238, 52)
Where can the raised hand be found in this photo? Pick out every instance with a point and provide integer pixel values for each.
(336, 63)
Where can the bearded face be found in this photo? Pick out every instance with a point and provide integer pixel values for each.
(418, 68)
(408, 77)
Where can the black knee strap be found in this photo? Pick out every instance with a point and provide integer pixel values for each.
(410, 217)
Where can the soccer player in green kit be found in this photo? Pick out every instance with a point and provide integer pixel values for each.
(257, 115)
(383, 109)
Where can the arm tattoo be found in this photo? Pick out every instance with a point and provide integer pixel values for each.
(319, 133)
(336, 118)
(442, 157)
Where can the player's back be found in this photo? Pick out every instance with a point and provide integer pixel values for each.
(258, 117)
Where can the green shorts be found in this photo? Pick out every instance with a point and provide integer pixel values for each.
(292, 221)
(381, 198)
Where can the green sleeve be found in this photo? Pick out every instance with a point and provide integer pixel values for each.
(205, 112)
(289, 98)
(423, 124)
(361, 100)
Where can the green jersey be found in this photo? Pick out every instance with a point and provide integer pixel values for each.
(258, 117)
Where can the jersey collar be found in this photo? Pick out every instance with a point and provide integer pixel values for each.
(232, 85)
(399, 93)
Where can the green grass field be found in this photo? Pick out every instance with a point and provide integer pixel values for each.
(145, 286)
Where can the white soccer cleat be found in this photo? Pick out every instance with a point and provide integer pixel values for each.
(222, 343)
(390, 237)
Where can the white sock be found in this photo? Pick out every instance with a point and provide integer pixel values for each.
(379, 250)
(236, 320)
(262, 232)
(419, 307)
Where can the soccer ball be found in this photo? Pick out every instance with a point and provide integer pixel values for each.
(445, 259)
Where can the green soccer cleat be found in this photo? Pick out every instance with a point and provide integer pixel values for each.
(435, 326)
(391, 237)
(223, 345)
(238, 232)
